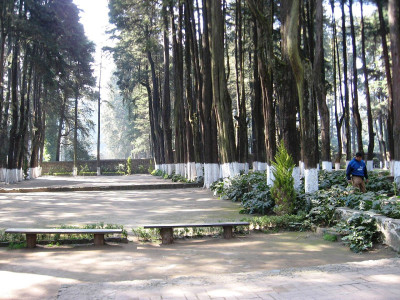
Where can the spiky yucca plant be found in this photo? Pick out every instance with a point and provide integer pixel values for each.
(283, 191)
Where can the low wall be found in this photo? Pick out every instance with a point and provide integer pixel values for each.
(389, 227)
(106, 165)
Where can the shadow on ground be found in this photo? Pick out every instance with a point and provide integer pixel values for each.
(42, 271)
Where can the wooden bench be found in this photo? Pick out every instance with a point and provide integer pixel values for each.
(167, 236)
(31, 233)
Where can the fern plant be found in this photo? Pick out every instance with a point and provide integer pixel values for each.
(283, 191)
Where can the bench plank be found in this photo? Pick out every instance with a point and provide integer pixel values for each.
(166, 230)
(196, 225)
(31, 233)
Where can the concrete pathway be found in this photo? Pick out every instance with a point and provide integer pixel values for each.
(255, 266)
(377, 279)
(92, 183)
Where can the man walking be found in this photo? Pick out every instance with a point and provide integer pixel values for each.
(358, 171)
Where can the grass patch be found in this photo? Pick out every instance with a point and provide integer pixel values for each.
(330, 237)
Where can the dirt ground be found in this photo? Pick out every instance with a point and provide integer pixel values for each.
(40, 273)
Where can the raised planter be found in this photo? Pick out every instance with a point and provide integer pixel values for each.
(389, 227)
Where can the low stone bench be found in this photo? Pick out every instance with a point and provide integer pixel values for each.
(167, 236)
(31, 233)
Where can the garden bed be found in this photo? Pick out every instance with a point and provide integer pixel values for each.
(389, 227)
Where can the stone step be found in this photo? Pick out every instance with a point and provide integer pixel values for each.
(103, 188)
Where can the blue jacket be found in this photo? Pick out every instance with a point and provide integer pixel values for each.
(356, 168)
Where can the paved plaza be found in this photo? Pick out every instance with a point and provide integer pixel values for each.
(291, 265)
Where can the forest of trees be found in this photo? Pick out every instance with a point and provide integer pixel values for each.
(224, 82)
(229, 80)
(45, 68)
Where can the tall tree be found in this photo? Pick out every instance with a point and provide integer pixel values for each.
(258, 136)
(394, 26)
(263, 12)
(190, 100)
(221, 97)
(302, 74)
(177, 50)
(209, 124)
(356, 112)
(383, 33)
(319, 85)
(345, 84)
(371, 134)
(242, 140)
(166, 97)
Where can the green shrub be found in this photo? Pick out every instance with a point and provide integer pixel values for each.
(360, 232)
(157, 173)
(328, 179)
(62, 174)
(141, 169)
(84, 169)
(330, 237)
(322, 215)
(19, 241)
(145, 234)
(117, 173)
(282, 190)
(129, 165)
(178, 177)
(250, 189)
(378, 182)
(87, 173)
(275, 223)
(391, 208)
(218, 187)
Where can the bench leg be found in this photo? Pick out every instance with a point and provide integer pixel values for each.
(228, 232)
(30, 240)
(167, 236)
(99, 239)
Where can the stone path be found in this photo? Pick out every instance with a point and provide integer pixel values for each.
(364, 280)
(92, 183)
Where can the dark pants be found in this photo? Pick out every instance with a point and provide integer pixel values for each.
(358, 182)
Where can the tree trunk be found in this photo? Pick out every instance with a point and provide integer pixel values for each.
(197, 91)
(356, 113)
(38, 123)
(209, 124)
(221, 96)
(288, 98)
(75, 168)
(178, 88)
(302, 73)
(371, 134)
(338, 121)
(394, 27)
(189, 104)
(4, 138)
(381, 136)
(346, 87)
(159, 141)
(242, 140)
(153, 138)
(166, 99)
(23, 110)
(383, 32)
(256, 108)
(319, 84)
(12, 148)
(61, 125)
(265, 67)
